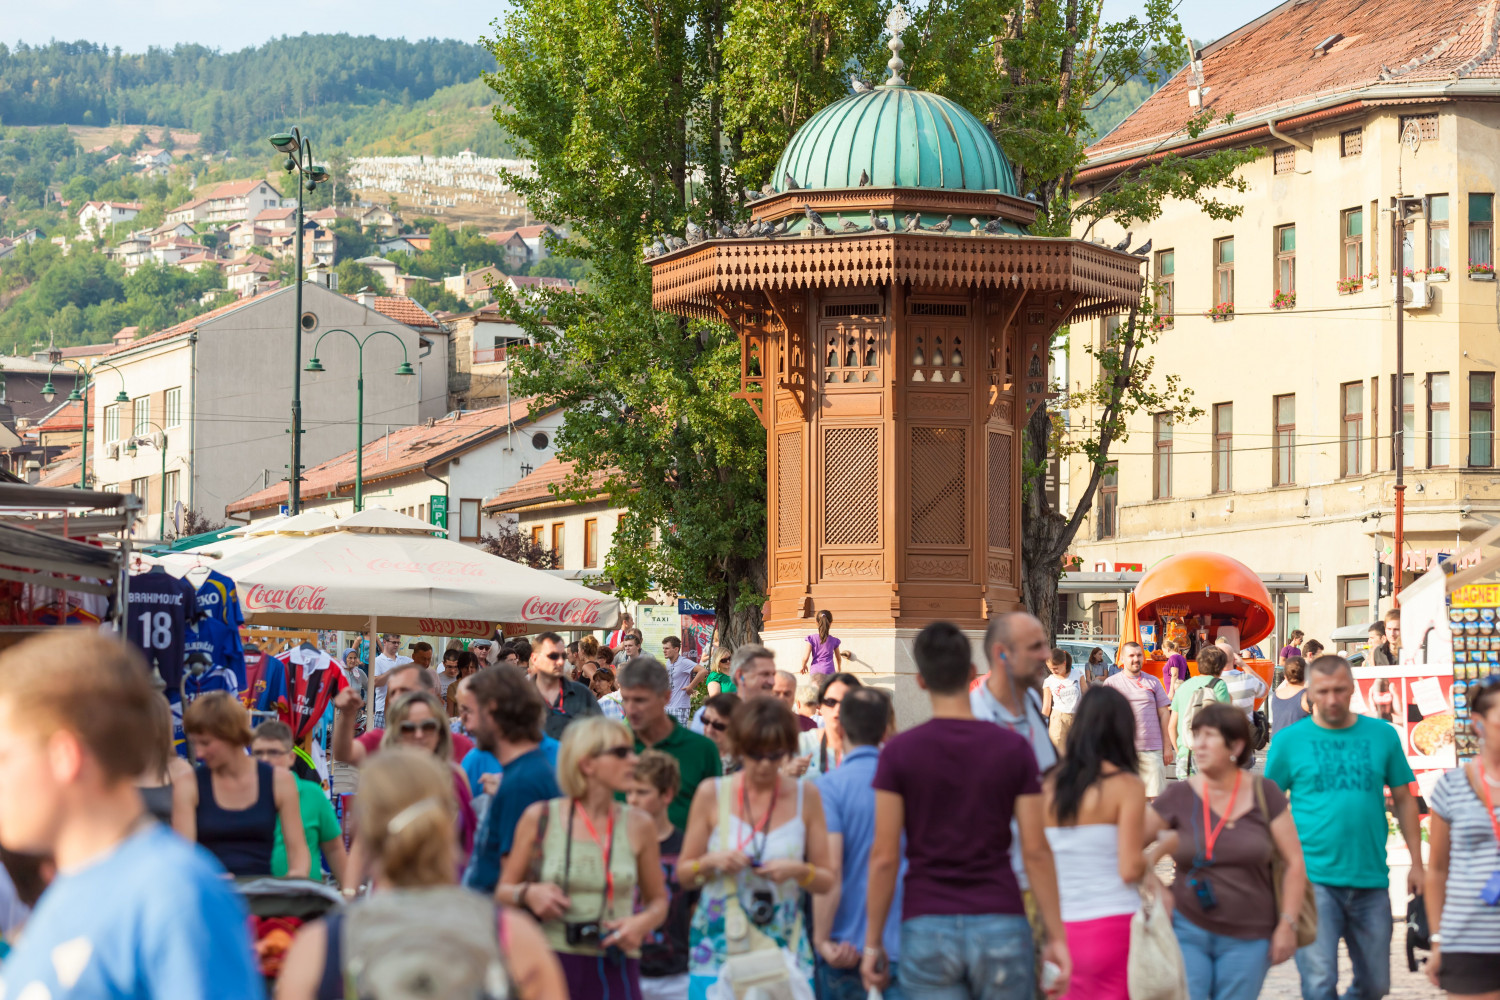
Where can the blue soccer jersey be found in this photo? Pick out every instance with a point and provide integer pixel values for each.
(215, 645)
(157, 615)
(217, 596)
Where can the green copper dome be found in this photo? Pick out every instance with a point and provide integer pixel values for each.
(901, 137)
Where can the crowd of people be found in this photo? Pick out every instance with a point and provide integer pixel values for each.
(513, 837)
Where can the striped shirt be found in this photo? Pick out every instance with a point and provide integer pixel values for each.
(1469, 926)
(1244, 687)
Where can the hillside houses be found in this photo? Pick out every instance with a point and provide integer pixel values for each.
(231, 201)
(97, 217)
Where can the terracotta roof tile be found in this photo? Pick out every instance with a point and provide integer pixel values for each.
(537, 487)
(1269, 64)
(63, 470)
(185, 326)
(402, 451)
(68, 416)
(406, 310)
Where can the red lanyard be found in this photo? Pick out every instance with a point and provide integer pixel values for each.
(1210, 836)
(740, 842)
(604, 852)
(1489, 801)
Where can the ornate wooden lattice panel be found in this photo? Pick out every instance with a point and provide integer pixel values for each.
(939, 512)
(789, 490)
(939, 352)
(850, 351)
(998, 480)
(851, 486)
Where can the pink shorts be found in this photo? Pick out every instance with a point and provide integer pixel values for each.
(1100, 950)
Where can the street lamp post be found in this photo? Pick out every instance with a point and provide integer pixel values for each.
(85, 378)
(299, 160)
(160, 443)
(1405, 213)
(403, 369)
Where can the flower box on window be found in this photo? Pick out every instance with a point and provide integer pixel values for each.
(1348, 286)
(1481, 272)
(1438, 273)
(1283, 300)
(1220, 312)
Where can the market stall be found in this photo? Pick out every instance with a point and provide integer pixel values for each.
(1194, 599)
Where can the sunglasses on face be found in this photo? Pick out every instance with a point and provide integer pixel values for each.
(831, 702)
(716, 725)
(554, 657)
(619, 753)
(424, 727)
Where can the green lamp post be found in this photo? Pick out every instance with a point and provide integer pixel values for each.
(85, 380)
(159, 442)
(299, 160)
(403, 369)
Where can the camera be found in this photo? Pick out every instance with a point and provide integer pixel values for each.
(584, 935)
(1203, 889)
(1490, 894)
(762, 907)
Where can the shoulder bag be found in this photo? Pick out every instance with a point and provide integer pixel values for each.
(1307, 915)
(1154, 969)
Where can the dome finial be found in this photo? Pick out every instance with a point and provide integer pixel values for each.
(897, 21)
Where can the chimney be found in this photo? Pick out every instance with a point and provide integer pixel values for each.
(366, 298)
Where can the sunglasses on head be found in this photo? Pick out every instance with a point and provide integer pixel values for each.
(717, 725)
(425, 726)
(619, 753)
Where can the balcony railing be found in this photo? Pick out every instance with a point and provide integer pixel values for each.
(488, 355)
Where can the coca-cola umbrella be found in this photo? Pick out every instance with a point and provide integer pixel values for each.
(412, 583)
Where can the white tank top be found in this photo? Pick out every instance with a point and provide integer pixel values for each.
(1087, 858)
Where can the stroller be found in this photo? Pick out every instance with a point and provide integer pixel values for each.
(278, 907)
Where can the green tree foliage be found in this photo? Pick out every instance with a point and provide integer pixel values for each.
(451, 251)
(355, 277)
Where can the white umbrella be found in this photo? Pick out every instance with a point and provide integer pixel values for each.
(415, 584)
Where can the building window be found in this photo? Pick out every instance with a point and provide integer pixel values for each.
(468, 520)
(112, 422)
(1109, 504)
(142, 416)
(1284, 160)
(1166, 276)
(1352, 403)
(142, 489)
(1354, 599)
(1285, 410)
(1408, 389)
(1439, 432)
(1223, 447)
(173, 408)
(1286, 260)
(1482, 419)
(557, 541)
(1352, 142)
(1352, 264)
(1293, 619)
(1224, 271)
(172, 489)
(1437, 232)
(591, 543)
(1481, 229)
(1424, 127)
(1161, 479)
(537, 533)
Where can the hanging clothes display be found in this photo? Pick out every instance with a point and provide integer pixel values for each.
(265, 688)
(212, 658)
(159, 611)
(315, 678)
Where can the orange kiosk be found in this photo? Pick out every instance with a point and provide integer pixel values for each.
(1195, 598)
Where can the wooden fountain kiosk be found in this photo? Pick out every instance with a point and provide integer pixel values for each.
(894, 367)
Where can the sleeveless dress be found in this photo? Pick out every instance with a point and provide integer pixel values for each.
(787, 928)
(1096, 908)
(242, 839)
(591, 973)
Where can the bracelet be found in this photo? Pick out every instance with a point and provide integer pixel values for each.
(520, 896)
(1290, 919)
(873, 952)
(806, 879)
(695, 869)
(1435, 937)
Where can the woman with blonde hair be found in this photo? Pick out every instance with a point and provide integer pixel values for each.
(417, 719)
(233, 806)
(577, 861)
(417, 922)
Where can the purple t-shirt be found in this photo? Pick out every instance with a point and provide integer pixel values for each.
(1290, 651)
(1145, 695)
(825, 654)
(958, 780)
(1176, 665)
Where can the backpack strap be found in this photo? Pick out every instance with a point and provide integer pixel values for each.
(1260, 801)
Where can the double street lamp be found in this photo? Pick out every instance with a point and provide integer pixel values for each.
(84, 381)
(299, 160)
(403, 369)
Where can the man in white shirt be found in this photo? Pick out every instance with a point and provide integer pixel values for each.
(680, 671)
(1244, 685)
(387, 660)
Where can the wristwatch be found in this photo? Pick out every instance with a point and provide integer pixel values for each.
(1435, 938)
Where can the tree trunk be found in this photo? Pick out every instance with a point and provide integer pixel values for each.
(1044, 539)
(738, 626)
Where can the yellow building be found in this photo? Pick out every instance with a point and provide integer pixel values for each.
(1291, 466)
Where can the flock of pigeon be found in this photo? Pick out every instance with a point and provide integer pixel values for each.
(670, 243)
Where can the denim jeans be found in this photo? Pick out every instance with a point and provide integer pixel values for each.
(983, 957)
(1362, 917)
(1221, 967)
(846, 984)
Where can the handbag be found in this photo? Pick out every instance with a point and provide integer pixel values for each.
(757, 967)
(1307, 914)
(1154, 969)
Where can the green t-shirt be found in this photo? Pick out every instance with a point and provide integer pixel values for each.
(1217, 691)
(697, 758)
(1336, 779)
(319, 825)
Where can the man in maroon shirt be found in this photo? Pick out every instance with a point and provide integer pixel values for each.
(403, 680)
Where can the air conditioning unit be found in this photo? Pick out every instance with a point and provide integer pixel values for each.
(1417, 295)
(112, 452)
